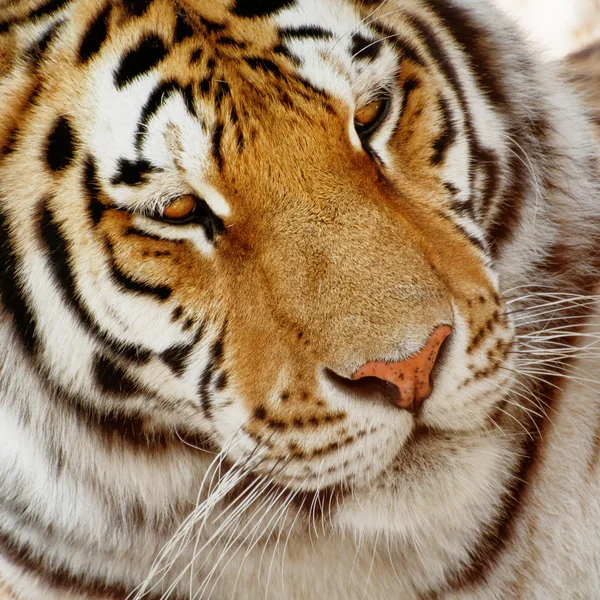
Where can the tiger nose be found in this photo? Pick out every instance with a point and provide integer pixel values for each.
(412, 376)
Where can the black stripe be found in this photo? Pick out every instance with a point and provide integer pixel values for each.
(133, 173)
(408, 87)
(438, 54)
(214, 362)
(448, 135)
(134, 231)
(90, 183)
(35, 53)
(26, 558)
(130, 430)
(306, 31)
(95, 36)
(111, 378)
(281, 50)
(364, 48)
(406, 48)
(60, 264)
(157, 98)
(204, 85)
(48, 8)
(136, 8)
(263, 64)
(260, 8)
(464, 209)
(183, 29)
(497, 534)
(229, 41)
(221, 381)
(473, 41)
(458, 227)
(512, 201)
(176, 357)
(144, 57)
(487, 161)
(161, 292)
(12, 139)
(12, 293)
(196, 56)
(223, 91)
(60, 148)
(216, 145)
(190, 101)
(211, 26)
(533, 143)
(45, 9)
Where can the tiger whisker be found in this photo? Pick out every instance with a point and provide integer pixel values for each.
(375, 542)
(181, 531)
(271, 501)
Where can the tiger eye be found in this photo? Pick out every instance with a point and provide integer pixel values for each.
(181, 208)
(369, 113)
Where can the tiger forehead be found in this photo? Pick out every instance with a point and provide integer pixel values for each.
(207, 74)
(307, 46)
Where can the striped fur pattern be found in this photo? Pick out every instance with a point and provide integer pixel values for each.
(177, 418)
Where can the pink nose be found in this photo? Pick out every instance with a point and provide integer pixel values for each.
(412, 376)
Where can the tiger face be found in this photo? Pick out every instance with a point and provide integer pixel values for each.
(231, 208)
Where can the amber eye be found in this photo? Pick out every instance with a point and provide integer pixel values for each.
(180, 210)
(369, 117)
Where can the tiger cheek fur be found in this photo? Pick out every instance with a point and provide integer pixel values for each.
(290, 294)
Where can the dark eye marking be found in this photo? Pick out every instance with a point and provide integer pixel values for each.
(95, 36)
(376, 112)
(148, 53)
(139, 233)
(202, 215)
(60, 149)
(364, 48)
(260, 8)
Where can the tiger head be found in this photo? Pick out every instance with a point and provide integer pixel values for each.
(257, 223)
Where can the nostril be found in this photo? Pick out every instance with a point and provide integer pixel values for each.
(366, 388)
(412, 377)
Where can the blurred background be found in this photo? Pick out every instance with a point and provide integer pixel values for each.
(558, 27)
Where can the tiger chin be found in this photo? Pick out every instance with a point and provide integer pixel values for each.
(297, 300)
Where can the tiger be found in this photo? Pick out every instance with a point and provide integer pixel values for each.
(298, 300)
